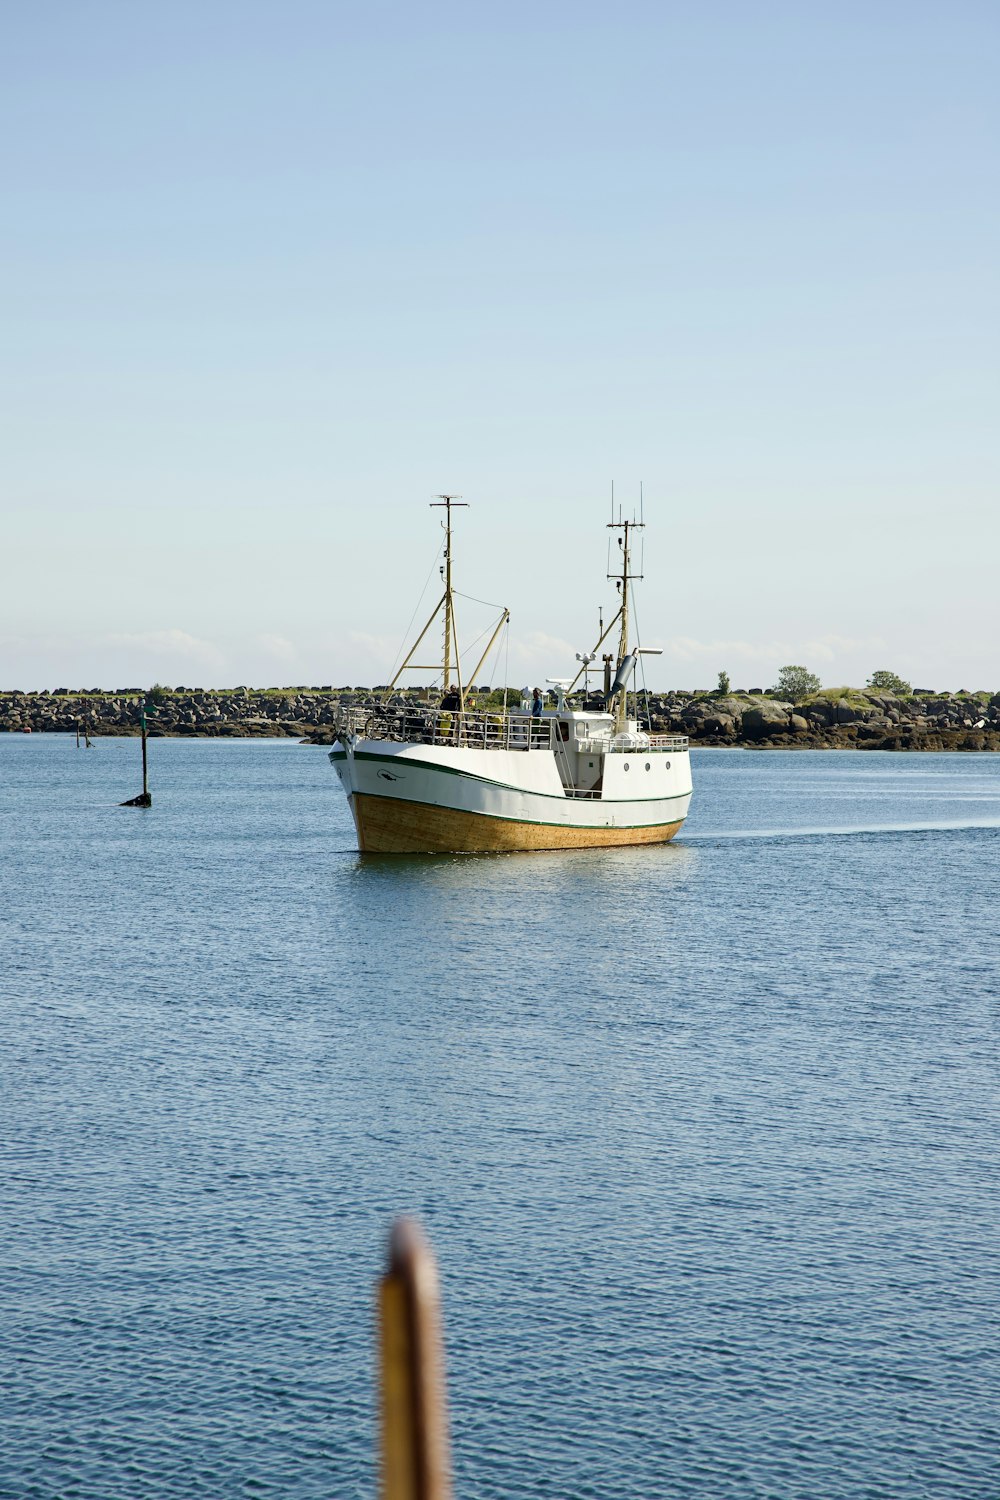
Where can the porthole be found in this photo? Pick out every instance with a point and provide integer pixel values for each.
(626, 765)
(647, 765)
(666, 765)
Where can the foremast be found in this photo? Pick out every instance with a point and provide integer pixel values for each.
(447, 603)
(447, 502)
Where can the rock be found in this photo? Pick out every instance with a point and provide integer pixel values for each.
(798, 725)
(703, 709)
(720, 724)
(765, 719)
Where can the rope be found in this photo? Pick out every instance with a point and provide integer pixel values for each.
(496, 663)
(473, 644)
(642, 664)
(406, 632)
(473, 600)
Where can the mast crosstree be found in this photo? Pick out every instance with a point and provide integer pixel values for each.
(621, 617)
(451, 656)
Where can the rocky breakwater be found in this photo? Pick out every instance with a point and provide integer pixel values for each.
(833, 719)
(846, 719)
(242, 712)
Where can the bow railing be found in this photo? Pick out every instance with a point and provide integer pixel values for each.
(500, 729)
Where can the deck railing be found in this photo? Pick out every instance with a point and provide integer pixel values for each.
(483, 729)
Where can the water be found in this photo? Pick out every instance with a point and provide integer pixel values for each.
(706, 1137)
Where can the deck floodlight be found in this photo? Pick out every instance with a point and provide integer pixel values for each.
(585, 658)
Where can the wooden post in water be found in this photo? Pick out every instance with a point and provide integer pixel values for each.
(416, 1461)
(143, 799)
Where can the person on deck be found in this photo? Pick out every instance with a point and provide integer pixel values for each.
(450, 704)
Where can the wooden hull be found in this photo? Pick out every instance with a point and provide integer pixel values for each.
(389, 825)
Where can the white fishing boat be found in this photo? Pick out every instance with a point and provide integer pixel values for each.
(456, 777)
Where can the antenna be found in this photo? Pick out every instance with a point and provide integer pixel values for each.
(623, 580)
(449, 502)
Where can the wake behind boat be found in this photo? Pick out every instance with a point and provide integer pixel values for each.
(457, 778)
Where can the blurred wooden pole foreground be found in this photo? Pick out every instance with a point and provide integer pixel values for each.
(416, 1461)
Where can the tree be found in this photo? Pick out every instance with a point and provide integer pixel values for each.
(888, 682)
(794, 684)
(723, 687)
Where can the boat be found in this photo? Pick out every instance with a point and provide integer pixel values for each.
(458, 775)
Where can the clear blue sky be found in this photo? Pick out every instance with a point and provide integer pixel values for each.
(274, 275)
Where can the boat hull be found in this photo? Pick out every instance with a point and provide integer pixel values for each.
(410, 799)
(388, 825)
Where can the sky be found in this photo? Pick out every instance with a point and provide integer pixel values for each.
(274, 276)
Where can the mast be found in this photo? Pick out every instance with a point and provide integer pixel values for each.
(447, 502)
(623, 579)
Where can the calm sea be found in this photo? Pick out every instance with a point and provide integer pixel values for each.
(707, 1137)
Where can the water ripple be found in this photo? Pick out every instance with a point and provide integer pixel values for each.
(706, 1136)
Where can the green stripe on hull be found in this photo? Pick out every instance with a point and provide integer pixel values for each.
(429, 765)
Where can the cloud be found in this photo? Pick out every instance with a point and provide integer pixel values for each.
(379, 652)
(539, 651)
(825, 648)
(277, 648)
(177, 644)
(829, 647)
(532, 654)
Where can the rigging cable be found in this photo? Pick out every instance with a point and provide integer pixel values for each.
(642, 665)
(496, 663)
(473, 600)
(423, 591)
(473, 644)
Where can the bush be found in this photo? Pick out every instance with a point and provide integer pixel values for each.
(888, 682)
(794, 684)
(723, 688)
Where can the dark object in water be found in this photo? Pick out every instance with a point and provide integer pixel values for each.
(144, 799)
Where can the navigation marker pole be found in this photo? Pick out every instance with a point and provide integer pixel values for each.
(144, 799)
